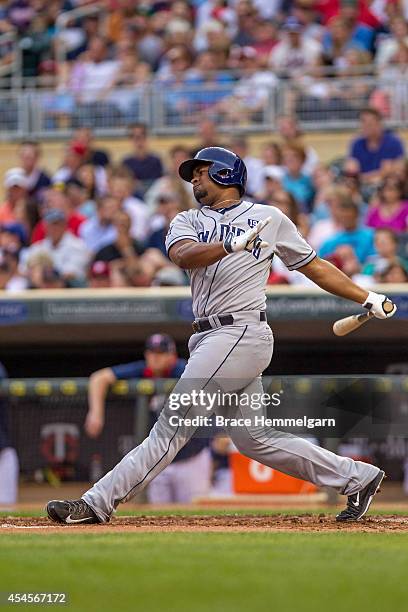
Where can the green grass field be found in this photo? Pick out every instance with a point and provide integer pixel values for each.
(200, 572)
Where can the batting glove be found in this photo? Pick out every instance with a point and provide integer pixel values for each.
(380, 306)
(248, 240)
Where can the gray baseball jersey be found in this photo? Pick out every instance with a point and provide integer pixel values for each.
(238, 281)
(231, 357)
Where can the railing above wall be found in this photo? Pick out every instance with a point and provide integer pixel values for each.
(319, 103)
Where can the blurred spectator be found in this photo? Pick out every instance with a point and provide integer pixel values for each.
(265, 39)
(350, 178)
(208, 134)
(94, 179)
(345, 258)
(37, 178)
(41, 274)
(9, 466)
(308, 15)
(255, 166)
(290, 133)
(14, 208)
(97, 157)
(247, 21)
(99, 231)
(390, 96)
(319, 97)
(173, 68)
(272, 154)
(294, 181)
(377, 150)
(20, 14)
(362, 31)
(272, 182)
(295, 52)
(10, 278)
(127, 90)
(189, 474)
(13, 237)
(34, 45)
(99, 275)
(288, 205)
(212, 85)
(121, 187)
(171, 183)
(279, 272)
(344, 32)
(250, 95)
(328, 9)
(131, 264)
(145, 166)
(323, 178)
(361, 239)
(92, 73)
(125, 254)
(74, 156)
(324, 229)
(206, 72)
(57, 198)
(389, 45)
(68, 253)
(386, 247)
(395, 273)
(78, 195)
(389, 208)
(168, 206)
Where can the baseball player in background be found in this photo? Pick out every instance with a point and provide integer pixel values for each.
(189, 474)
(226, 247)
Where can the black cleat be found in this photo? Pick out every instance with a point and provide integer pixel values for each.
(71, 512)
(359, 503)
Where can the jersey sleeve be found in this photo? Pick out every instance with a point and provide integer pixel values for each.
(181, 228)
(125, 371)
(291, 247)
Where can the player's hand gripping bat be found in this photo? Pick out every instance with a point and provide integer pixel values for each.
(342, 327)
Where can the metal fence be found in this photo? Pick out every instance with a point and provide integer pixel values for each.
(320, 103)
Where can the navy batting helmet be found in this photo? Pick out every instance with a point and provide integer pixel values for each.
(225, 168)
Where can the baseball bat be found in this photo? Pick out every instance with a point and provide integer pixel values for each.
(342, 327)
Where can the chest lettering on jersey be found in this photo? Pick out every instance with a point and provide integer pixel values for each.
(225, 229)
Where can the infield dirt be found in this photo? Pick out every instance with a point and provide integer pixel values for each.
(202, 523)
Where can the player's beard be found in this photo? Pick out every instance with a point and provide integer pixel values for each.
(200, 193)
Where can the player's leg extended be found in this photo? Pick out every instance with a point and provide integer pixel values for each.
(134, 472)
(215, 356)
(296, 456)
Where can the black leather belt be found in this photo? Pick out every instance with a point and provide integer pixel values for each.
(202, 325)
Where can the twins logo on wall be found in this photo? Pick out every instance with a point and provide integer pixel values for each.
(60, 445)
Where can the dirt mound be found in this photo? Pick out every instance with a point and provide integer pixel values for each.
(225, 522)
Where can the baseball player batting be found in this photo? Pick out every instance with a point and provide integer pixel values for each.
(226, 247)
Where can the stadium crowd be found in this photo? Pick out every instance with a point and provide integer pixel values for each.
(221, 57)
(96, 224)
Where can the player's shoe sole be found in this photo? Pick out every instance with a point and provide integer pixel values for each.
(71, 512)
(359, 503)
